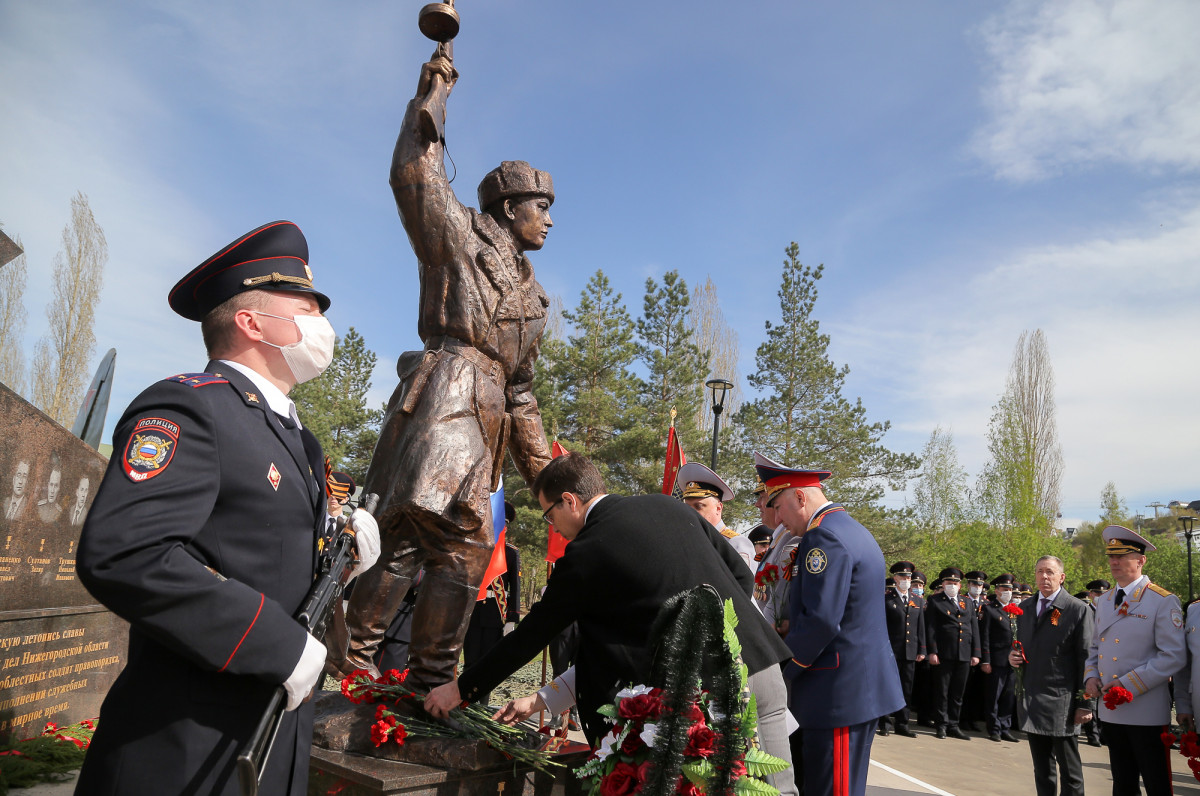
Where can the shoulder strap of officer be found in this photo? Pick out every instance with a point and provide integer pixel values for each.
(195, 380)
(1159, 590)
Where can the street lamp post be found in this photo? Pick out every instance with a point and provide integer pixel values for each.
(719, 387)
(1188, 524)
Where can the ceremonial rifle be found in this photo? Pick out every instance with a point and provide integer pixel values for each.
(333, 570)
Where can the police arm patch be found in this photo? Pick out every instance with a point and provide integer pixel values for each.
(150, 448)
(815, 561)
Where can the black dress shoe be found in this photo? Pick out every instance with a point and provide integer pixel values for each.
(1094, 742)
(941, 732)
(906, 732)
(884, 732)
(1008, 736)
(994, 737)
(955, 732)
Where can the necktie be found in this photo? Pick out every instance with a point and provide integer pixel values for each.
(1043, 605)
(1120, 597)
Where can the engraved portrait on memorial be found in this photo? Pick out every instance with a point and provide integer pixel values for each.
(79, 507)
(48, 507)
(18, 499)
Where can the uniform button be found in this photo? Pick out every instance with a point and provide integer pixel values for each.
(1114, 657)
(1102, 638)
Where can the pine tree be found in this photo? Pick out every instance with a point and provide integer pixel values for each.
(334, 406)
(599, 390)
(801, 417)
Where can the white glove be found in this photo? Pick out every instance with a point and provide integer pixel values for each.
(308, 669)
(509, 627)
(366, 540)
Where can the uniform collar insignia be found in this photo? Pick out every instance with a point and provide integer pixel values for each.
(251, 397)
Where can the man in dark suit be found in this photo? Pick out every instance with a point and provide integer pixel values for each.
(1054, 631)
(906, 633)
(953, 645)
(841, 673)
(622, 564)
(203, 536)
(999, 683)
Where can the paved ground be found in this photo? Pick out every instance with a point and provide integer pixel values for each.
(980, 767)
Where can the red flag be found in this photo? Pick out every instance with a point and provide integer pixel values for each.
(556, 545)
(496, 567)
(675, 460)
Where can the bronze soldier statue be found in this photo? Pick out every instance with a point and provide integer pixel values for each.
(461, 401)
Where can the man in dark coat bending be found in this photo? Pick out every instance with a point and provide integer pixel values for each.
(612, 580)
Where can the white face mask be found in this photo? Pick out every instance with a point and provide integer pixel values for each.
(902, 585)
(308, 357)
(917, 590)
(1004, 596)
(950, 590)
(975, 591)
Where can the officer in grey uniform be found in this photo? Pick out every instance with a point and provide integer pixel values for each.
(1138, 644)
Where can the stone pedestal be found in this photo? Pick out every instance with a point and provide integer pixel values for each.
(346, 761)
(59, 650)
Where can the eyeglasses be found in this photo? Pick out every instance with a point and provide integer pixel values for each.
(546, 513)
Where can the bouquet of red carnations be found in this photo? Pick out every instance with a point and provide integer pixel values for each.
(1115, 696)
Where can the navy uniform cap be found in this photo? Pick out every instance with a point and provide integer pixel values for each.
(950, 573)
(1099, 584)
(699, 481)
(272, 257)
(1004, 579)
(760, 533)
(918, 576)
(902, 568)
(977, 576)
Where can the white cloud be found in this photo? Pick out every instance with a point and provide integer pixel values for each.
(1078, 82)
(1122, 324)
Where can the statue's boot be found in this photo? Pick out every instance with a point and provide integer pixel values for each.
(374, 603)
(440, 620)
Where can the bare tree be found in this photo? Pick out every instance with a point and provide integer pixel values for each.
(940, 495)
(711, 333)
(62, 356)
(12, 322)
(1021, 482)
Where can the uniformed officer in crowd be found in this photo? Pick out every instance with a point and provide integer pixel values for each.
(1024, 591)
(774, 598)
(760, 536)
(975, 697)
(1138, 645)
(497, 614)
(841, 677)
(203, 535)
(906, 633)
(341, 488)
(921, 699)
(1095, 590)
(952, 643)
(707, 493)
(999, 689)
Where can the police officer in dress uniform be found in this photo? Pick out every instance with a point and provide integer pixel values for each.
(906, 632)
(203, 535)
(921, 700)
(999, 683)
(340, 487)
(774, 598)
(953, 644)
(974, 699)
(707, 492)
(842, 676)
(1138, 644)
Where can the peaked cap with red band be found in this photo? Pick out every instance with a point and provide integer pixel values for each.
(272, 257)
(777, 479)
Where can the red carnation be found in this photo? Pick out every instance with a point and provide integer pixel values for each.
(380, 731)
(644, 707)
(1189, 745)
(1117, 695)
(621, 781)
(1014, 609)
(399, 734)
(1194, 765)
(50, 727)
(701, 740)
(1168, 739)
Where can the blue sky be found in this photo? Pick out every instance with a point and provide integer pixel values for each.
(965, 171)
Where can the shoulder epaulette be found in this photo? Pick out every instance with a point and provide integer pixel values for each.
(194, 380)
(1159, 590)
